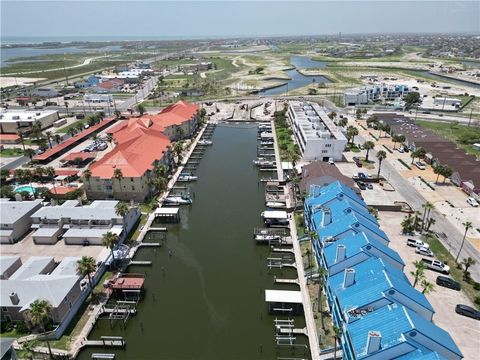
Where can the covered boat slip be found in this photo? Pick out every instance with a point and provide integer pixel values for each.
(285, 302)
(168, 214)
(275, 218)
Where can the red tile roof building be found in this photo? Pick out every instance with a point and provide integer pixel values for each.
(141, 143)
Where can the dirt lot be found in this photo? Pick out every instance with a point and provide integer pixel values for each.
(465, 331)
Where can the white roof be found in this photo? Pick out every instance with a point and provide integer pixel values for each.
(6, 262)
(275, 214)
(91, 233)
(33, 266)
(287, 165)
(24, 115)
(46, 231)
(98, 210)
(51, 287)
(283, 296)
(167, 210)
(12, 211)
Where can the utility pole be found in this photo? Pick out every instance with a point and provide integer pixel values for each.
(470, 118)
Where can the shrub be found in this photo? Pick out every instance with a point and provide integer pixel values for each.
(6, 326)
(476, 286)
(22, 327)
(477, 300)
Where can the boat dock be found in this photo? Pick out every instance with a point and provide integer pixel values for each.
(286, 281)
(144, 244)
(283, 250)
(140, 263)
(107, 341)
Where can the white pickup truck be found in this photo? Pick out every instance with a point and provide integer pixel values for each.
(417, 243)
(436, 265)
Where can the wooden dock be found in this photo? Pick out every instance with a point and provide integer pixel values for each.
(140, 263)
(283, 250)
(300, 331)
(106, 343)
(149, 245)
(286, 281)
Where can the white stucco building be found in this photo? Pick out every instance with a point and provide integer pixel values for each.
(367, 94)
(15, 219)
(316, 134)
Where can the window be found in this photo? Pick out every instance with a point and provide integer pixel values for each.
(131, 179)
(133, 188)
(328, 145)
(324, 151)
(4, 309)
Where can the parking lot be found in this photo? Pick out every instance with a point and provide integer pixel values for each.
(27, 248)
(465, 331)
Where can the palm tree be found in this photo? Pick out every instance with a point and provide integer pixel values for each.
(4, 174)
(122, 209)
(342, 122)
(407, 224)
(427, 286)
(160, 170)
(22, 138)
(468, 225)
(159, 183)
(381, 155)
(351, 133)
(48, 134)
(110, 138)
(446, 171)
(39, 313)
(141, 109)
(437, 170)
(30, 152)
(177, 150)
(337, 332)
(369, 145)
(50, 173)
(427, 207)
(85, 266)
(87, 174)
(117, 114)
(313, 236)
(117, 174)
(322, 273)
(419, 273)
(431, 221)
(109, 240)
(292, 157)
(466, 264)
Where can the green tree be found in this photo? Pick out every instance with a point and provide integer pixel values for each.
(159, 183)
(407, 224)
(322, 274)
(446, 172)
(343, 122)
(351, 133)
(417, 153)
(4, 174)
(381, 155)
(369, 145)
(466, 265)
(419, 273)
(427, 208)
(411, 99)
(39, 314)
(427, 286)
(22, 139)
(468, 226)
(109, 240)
(30, 152)
(358, 114)
(85, 266)
(437, 170)
(87, 174)
(141, 109)
(122, 209)
(118, 175)
(337, 333)
(48, 134)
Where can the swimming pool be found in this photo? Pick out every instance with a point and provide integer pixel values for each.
(28, 188)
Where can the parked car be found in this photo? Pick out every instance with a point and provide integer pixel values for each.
(331, 162)
(471, 201)
(424, 251)
(362, 147)
(370, 186)
(361, 175)
(356, 158)
(358, 163)
(401, 150)
(420, 165)
(436, 265)
(467, 311)
(362, 185)
(417, 243)
(447, 282)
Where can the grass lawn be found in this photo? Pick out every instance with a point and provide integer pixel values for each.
(299, 223)
(11, 152)
(65, 129)
(444, 256)
(455, 133)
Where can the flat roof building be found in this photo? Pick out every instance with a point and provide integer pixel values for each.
(367, 94)
(16, 221)
(12, 121)
(316, 134)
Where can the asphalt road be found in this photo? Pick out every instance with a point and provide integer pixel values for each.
(415, 199)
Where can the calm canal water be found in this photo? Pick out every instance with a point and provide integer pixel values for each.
(298, 80)
(206, 301)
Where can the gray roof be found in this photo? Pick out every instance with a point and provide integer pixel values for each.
(98, 210)
(12, 211)
(6, 262)
(46, 232)
(5, 345)
(51, 287)
(91, 233)
(33, 266)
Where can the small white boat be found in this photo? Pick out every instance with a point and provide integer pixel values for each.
(266, 237)
(205, 142)
(186, 177)
(178, 200)
(276, 205)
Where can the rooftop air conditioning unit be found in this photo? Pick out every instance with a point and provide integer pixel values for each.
(16, 117)
(38, 114)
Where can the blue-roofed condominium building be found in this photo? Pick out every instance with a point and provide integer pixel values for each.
(380, 313)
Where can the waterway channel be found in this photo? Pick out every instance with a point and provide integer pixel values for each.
(298, 80)
(206, 300)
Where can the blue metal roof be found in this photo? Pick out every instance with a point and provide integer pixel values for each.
(355, 244)
(393, 322)
(373, 278)
(422, 353)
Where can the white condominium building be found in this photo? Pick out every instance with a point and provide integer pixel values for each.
(317, 136)
(375, 92)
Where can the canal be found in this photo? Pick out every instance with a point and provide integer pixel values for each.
(206, 300)
(298, 80)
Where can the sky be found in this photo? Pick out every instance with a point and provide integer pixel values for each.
(183, 19)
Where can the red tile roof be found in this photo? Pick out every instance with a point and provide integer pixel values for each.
(175, 114)
(133, 157)
(62, 190)
(65, 172)
(9, 137)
